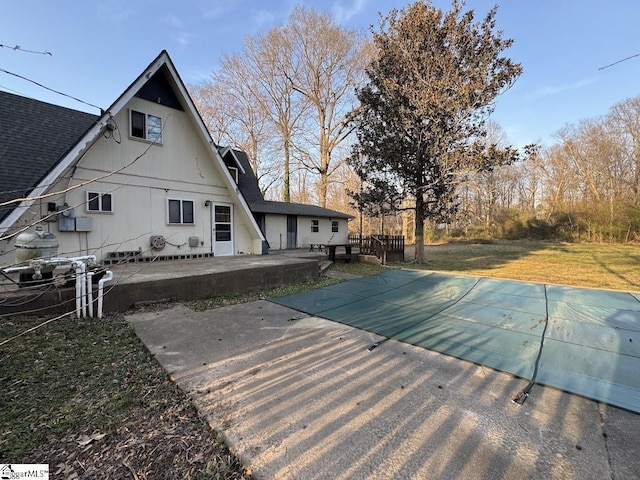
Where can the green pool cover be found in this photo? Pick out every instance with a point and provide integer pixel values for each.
(579, 340)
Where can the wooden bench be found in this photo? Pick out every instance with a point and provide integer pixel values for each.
(313, 246)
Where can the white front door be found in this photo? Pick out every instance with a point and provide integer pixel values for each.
(222, 222)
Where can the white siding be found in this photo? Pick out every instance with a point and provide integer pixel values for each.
(276, 231)
(183, 167)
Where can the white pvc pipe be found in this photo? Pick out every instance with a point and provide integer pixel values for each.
(16, 269)
(78, 291)
(84, 291)
(63, 260)
(108, 276)
(90, 293)
(83, 288)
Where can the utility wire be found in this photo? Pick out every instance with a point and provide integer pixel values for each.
(50, 89)
(18, 48)
(620, 61)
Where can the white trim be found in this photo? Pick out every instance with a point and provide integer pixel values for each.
(234, 173)
(100, 195)
(226, 150)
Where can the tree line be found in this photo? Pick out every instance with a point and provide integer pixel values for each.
(584, 187)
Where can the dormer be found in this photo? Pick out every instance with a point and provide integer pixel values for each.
(231, 160)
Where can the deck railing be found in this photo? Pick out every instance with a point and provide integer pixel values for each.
(384, 247)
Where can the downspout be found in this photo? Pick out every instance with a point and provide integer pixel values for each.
(207, 203)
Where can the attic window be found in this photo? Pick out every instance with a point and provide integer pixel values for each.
(234, 173)
(145, 126)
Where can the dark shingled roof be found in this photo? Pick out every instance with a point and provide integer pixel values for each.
(248, 184)
(285, 208)
(34, 136)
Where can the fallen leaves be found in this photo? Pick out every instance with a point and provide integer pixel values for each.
(87, 439)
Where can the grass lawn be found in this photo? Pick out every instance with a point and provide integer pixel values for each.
(615, 267)
(86, 397)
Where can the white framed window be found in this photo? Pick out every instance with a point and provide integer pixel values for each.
(315, 226)
(99, 202)
(145, 126)
(334, 226)
(234, 173)
(180, 212)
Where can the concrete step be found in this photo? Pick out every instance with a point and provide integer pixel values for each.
(324, 266)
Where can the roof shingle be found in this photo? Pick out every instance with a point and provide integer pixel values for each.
(34, 136)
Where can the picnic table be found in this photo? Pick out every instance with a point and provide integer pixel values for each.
(331, 249)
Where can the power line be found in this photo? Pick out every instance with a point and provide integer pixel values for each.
(50, 89)
(620, 61)
(18, 48)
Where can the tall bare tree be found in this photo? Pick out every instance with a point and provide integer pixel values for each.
(327, 63)
(626, 117)
(231, 106)
(272, 63)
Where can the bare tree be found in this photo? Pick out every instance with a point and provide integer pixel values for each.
(231, 106)
(271, 63)
(626, 118)
(326, 64)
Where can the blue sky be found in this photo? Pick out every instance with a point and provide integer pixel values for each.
(99, 48)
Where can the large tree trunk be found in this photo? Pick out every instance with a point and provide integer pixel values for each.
(324, 186)
(286, 188)
(419, 230)
(325, 159)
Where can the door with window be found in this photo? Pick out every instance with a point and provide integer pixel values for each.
(222, 233)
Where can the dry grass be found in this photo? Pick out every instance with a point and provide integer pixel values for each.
(86, 397)
(608, 266)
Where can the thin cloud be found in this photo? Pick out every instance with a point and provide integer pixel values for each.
(217, 12)
(554, 90)
(114, 16)
(343, 11)
(173, 21)
(262, 18)
(184, 38)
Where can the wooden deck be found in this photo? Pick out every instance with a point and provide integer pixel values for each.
(387, 248)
